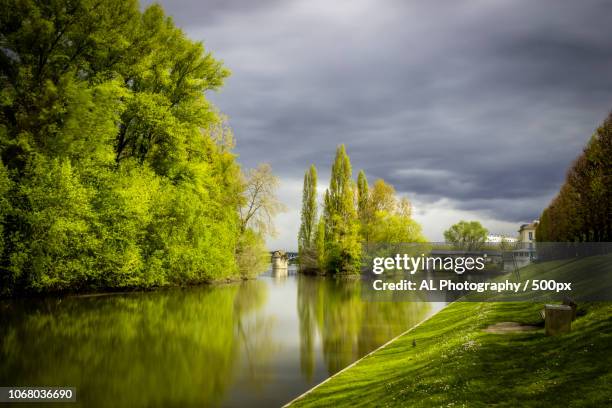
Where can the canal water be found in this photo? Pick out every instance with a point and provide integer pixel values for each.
(255, 343)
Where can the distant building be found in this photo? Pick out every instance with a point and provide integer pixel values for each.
(527, 234)
(280, 260)
(498, 238)
(526, 252)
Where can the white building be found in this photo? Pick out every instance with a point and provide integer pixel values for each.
(527, 234)
(499, 238)
(527, 251)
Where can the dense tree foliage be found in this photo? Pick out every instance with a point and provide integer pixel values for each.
(342, 246)
(390, 219)
(306, 236)
(466, 235)
(354, 215)
(364, 208)
(115, 168)
(582, 211)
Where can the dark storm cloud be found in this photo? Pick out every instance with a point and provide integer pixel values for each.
(482, 103)
(194, 12)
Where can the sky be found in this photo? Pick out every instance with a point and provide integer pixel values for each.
(471, 109)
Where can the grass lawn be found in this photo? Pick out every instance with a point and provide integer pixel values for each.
(455, 363)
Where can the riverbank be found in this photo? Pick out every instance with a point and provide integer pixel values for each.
(450, 360)
(109, 290)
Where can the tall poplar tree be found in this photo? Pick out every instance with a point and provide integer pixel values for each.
(362, 194)
(320, 242)
(306, 236)
(364, 208)
(343, 249)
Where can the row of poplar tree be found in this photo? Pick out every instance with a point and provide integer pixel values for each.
(582, 210)
(353, 215)
(115, 169)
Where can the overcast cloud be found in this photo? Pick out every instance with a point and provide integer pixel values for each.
(472, 109)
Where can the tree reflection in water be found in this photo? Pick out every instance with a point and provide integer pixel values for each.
(348, 326)
(234, 345)
(174, 347)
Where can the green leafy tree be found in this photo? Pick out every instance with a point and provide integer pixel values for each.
(363, 194)
(5, 213)
(320, 243)
(466, 235)
(306, 236)
(119, 170)
(383, 197)
(393, 228)
(387, 218)
(364, 206)
(354, 214)
(342, 243)
(581, 210)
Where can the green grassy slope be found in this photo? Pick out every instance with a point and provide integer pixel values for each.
(456, 363)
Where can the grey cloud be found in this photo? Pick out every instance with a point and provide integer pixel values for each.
(483, 103)
(189, 13)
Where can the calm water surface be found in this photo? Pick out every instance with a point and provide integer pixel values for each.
(254, 343)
